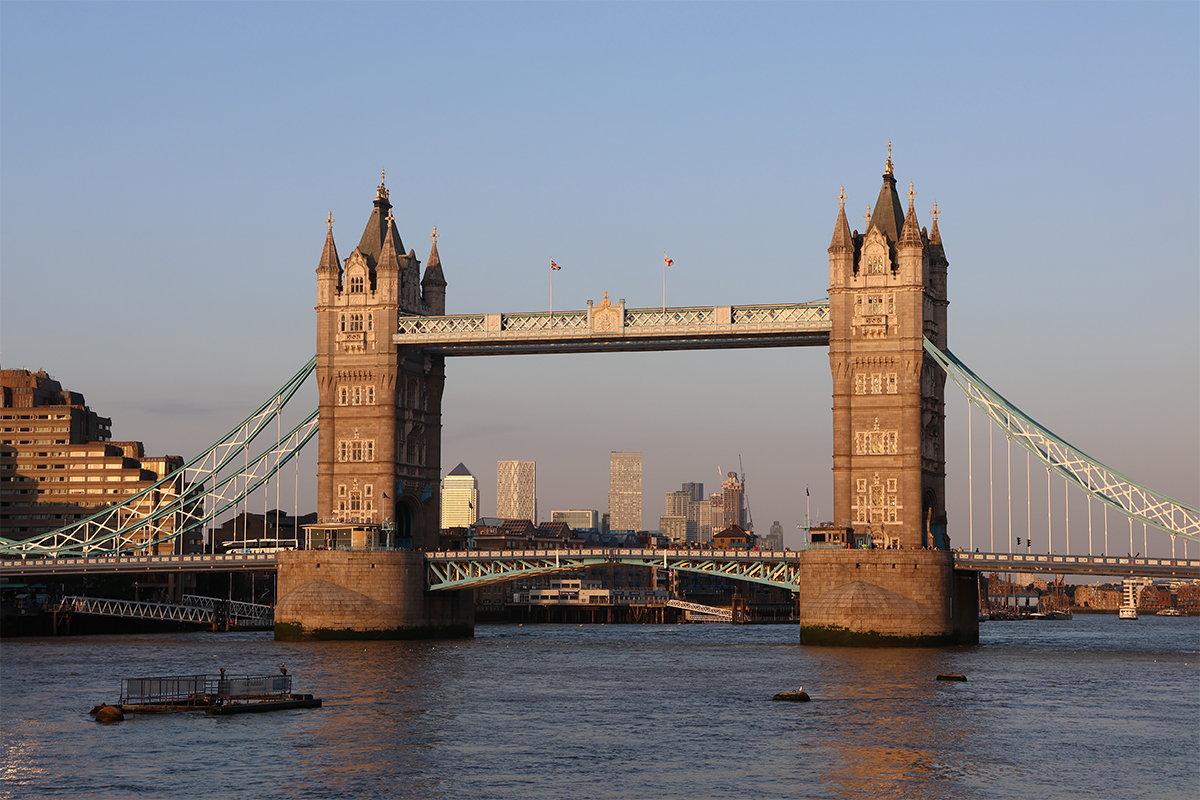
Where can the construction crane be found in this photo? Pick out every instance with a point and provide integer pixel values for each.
(745, 495)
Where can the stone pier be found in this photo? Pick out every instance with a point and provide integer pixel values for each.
(879, 598)
(348, 594)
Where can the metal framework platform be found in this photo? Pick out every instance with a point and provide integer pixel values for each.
(613, 328)
(221, 562)
(467, 569)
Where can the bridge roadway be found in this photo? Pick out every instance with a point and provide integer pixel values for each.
(460, 569)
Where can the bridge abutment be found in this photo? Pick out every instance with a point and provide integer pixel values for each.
(371, 594)
(879, 598)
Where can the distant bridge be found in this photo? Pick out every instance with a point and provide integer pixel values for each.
(194, 609)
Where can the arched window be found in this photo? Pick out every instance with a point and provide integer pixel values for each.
(342, 323)
(356, 284)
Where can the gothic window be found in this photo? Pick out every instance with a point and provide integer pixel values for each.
(355, 501)
(876, 496)
(892, 386)
(342, 396)
(370, 322)
(875, 304)
(891, 303)
(875, 264)
(876, 442)
(862, 485)
(358, 395)
(369, 449)
(891, 484)
(370, 395)
(341, 490)
(341, 323)
(367, 489)
(412, 451)
(356, 284)
(860, 383)
(356, 322)
(356, 450)
(861, 516)
(892, 509)
(343, 451)
(876, 383)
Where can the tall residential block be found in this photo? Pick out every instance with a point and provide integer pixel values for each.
(677, 503)
(460, 498)
(516, 490)
(625, 491)
(699, 521)
(673, 527)
(695, 490)
(887, 292)
(379, 454)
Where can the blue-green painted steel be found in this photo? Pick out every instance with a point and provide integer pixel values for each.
(1107, 485)
(468, 569)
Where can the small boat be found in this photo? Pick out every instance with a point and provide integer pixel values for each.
(951, 676)
(1127, 612)
(1170, 612)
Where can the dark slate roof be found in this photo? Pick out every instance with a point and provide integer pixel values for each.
(887, 216)
(461, 469)
(377, 228)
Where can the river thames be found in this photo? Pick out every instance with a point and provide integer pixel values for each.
(1092, 707)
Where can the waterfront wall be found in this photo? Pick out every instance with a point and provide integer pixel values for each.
(341, 594)
(886, 598)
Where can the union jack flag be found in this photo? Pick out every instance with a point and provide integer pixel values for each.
(666, 261)
(554, 266)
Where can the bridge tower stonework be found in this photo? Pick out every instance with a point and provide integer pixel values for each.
(887, 291)
(379, 452)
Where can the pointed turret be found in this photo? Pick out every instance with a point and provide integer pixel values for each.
(433, 285)
(842, 241)
(387, 271)
(329, 270)
(887, 218)
(935, 236)
(910, 236)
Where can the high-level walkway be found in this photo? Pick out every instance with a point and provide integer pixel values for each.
(610, 327)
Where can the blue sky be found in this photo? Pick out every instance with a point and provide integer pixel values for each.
(166, 168)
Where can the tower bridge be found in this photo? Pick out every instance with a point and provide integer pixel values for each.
(382, 340)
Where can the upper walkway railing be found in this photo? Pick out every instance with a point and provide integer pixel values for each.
(613, 328)
(1079, 565)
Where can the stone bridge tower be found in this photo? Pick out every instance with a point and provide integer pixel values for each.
(380, 405)
(887, 290)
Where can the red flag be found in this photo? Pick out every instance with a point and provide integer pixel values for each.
(668, 262)
(554, 266)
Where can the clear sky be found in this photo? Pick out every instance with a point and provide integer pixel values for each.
(166, 169)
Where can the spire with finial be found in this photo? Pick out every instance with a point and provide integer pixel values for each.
(911, 235)
(329, 256)
(935, 236)
(888, 219)
(391, 251)
(842, 242)
(381, 192)
(433, 285)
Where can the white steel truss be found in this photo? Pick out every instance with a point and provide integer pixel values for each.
(180, 501)
(1109, 486)
(244, 614)
(465, 569)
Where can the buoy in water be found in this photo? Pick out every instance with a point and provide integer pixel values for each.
(951, 676)
(107, 713)
(793, 697)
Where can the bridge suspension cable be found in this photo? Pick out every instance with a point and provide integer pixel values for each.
(1135, 501)
(180, 502)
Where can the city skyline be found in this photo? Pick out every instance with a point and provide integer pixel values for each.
(210, 293)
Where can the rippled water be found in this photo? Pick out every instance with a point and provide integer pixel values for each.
(1094, 707)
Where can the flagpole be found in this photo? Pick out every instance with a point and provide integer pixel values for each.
(664, 288)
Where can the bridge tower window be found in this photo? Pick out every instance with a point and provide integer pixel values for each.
(356, 284)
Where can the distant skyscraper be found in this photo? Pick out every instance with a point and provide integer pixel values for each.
(460, 498)
(696, 490)
(774, 541)
(716, 505)
(699, 521)
(733, 509)
(516, 490)
(677, 503)
(578, 519)
(625, 491)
